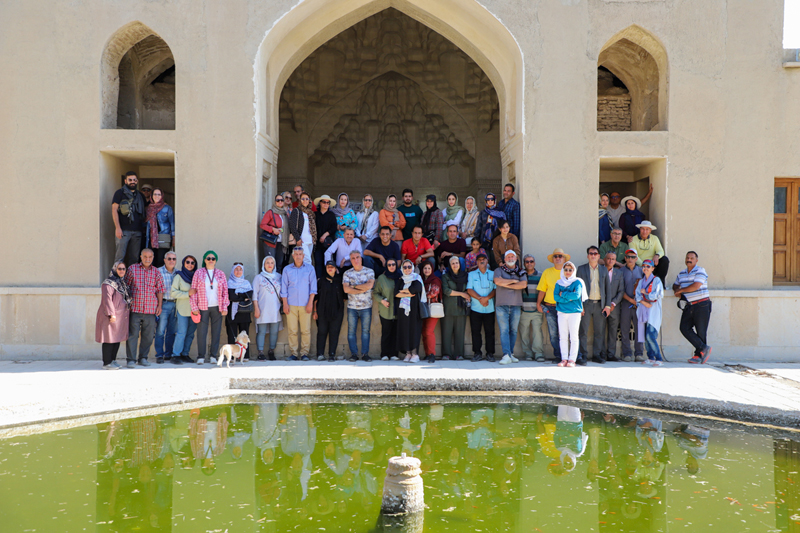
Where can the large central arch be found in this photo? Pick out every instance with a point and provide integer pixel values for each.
(465, 23)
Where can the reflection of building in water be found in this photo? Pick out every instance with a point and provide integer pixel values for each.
(787, 477)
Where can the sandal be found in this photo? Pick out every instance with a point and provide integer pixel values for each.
(562, 363)
(571, 364)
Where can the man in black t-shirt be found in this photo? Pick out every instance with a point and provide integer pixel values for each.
(411, 212)
(454, 245)
(381, 249)
(128, 213)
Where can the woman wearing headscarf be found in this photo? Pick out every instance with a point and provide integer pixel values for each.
(326, 231)
(329, 311)
(433, 290)
(303, 225)
(345, 217)
(240, 294)
(184, 332)
(504, 242)
(368, 221)
(630, 218)
(160, 221)
(605, 225)
(409, 295)
(456, 309)
(454, 213)
(267, 305)
(209, 299)
(432, 221)
(111, 325)
(470, 220)
(649, 293)
(276, 223)
(488, 226)
(383, 294)
(392, 217)
(569, 294)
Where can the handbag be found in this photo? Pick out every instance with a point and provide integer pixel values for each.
(164, 240)
(424, 310)
(269, 238)
(278, 294)
(436, 310)
(245, 307)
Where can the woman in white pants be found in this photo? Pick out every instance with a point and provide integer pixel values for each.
(569, 295)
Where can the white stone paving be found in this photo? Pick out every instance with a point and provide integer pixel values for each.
(41, 391)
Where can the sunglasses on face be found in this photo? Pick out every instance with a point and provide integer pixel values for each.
(630, 257)
(326, 202)
(529, 262)
(190, 263)
(171, 259)
(278, 199)
(391, 265)
(121, 269)
(557, 256)
(593, 253)
(407, 267)
(568, 270)
(211, 259)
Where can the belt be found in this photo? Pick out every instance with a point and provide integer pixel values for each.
(699, 301)
(167, 300)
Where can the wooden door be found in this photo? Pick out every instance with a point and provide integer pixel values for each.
(786, 231)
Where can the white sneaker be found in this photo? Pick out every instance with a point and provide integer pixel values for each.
(110, 367)
(394, 358)
(506, 360)
(414, 359)
(513, 359)
(407, 358)
(200, 361)
(213, 360)
(385, 358)
(320, 358)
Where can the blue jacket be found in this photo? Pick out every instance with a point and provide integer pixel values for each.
(568, 299)
(166, 223)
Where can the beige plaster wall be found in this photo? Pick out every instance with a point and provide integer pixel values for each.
(732, 123)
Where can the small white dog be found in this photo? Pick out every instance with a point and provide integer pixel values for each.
(232, 351)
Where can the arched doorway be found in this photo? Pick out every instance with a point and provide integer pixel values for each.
(476, 36)
(388, 104)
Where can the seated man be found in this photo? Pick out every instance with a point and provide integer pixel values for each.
(342, 247)
(381, 250)
(648, 246)
(453, 246)
(615, 246)
(416, 249)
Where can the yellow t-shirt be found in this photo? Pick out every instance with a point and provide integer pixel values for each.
(548, 283)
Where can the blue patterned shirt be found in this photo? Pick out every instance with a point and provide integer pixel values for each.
(167, 277)
(511, 209)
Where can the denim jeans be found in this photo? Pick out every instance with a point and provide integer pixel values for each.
(184, 335)
(508, 322)
(551, 316)
(165, 333)
(261, 332)
(651, 343)
(353, 316)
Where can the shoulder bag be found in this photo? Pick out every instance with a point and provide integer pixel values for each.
(277, 294)
(436, 310)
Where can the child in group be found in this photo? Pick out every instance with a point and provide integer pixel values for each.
(569, 294)
(472, 257)
(649, 293)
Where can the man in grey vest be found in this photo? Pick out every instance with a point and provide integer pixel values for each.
(595, 280)
(615, 288)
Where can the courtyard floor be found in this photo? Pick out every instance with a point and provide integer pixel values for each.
(58, 393)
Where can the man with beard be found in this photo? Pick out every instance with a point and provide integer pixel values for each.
(128, 214)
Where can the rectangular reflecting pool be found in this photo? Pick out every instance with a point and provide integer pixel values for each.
(486, 467)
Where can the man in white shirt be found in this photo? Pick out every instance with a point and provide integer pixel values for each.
(340, 250)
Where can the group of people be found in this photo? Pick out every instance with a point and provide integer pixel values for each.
(418, 268)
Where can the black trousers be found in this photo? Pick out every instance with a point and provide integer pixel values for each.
(388, 337)
(485, 321)
(694, 324)
(328, 330)
(110, 350)
(210, 318)
(661, 269)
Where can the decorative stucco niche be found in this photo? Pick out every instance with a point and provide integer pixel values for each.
(638, 59)
(137, 81)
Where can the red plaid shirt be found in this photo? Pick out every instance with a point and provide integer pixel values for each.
(145, 284)
(200, 301)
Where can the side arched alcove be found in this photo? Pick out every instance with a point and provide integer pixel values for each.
(638, 60)
(137, 77)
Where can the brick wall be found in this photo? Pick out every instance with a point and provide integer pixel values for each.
(614, 113)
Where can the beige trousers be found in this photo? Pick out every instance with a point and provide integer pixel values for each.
(299, 319)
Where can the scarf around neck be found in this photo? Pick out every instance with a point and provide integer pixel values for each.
(367, 213)
(312, 221)
(152, 211)
(341, 211)
(452, 212)
(459, 279)
(426, 218)
(239, 286)
(566, 281)
(284, 214)
(187, 275)
(269, 276)
(118, 284)
(405, 302)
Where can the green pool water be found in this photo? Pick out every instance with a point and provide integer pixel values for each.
(487, 467)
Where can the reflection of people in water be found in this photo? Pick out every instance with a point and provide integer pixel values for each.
(239, 429)
(298, 438)
(569, 439)
(694, 440)
(208, 434)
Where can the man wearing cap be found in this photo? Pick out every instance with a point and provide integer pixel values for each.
(147, 191)
(616, 207)
(615, 288)
(691, 286)
(595, 310)
(615, 246)
(546, 303)
(481, 287)
(648, 246)
(631, 274)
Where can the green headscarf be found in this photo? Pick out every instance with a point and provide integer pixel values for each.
(210, 252)
(452, 212)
